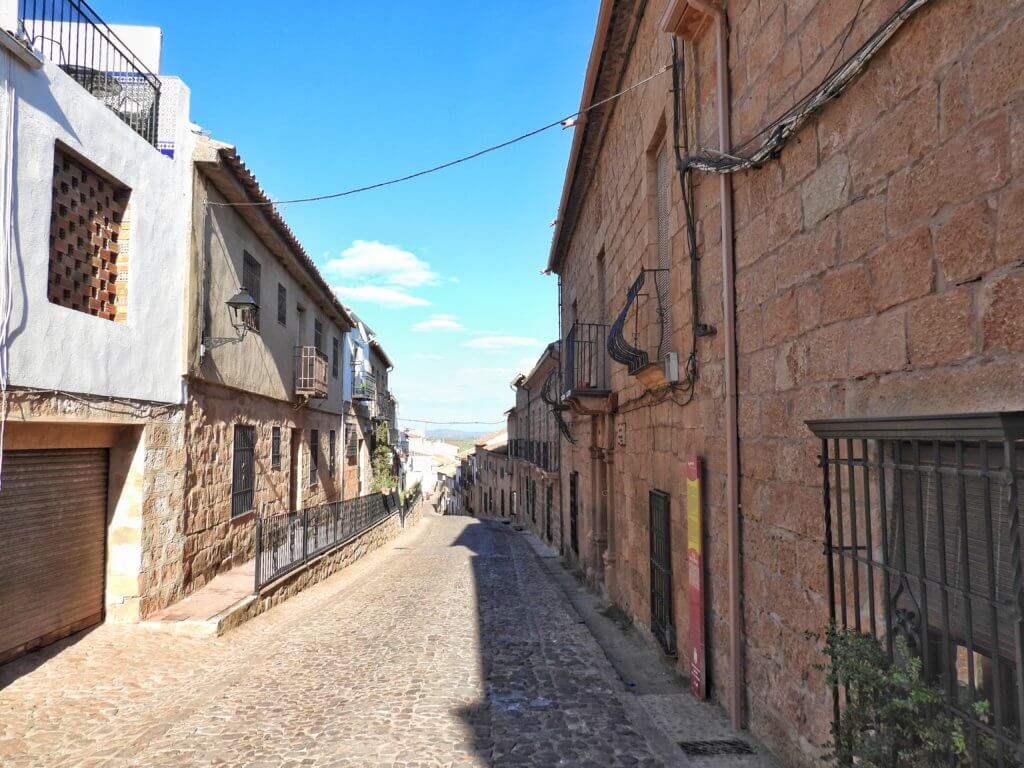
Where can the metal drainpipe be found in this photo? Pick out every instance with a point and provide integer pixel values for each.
(732, 491)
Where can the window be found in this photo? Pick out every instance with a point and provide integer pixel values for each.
(251, 284)
(918, 516)
(242, 470)
(335, 356)
(332, 452)
(318, 334)
(275, 448)
(282, 304)
(351, 440)
(314, 455)
(88, 240)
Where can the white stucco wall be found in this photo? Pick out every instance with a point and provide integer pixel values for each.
(263, 362)
(53, 347)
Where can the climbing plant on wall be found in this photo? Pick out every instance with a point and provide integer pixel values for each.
(382, 461)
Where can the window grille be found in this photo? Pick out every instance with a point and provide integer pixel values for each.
(662, 624)
(332, 452)
(351, 439)
(574, 536)
(282, 304)
(251, 283)
(335, 356)
(314, 455)
(922, 532)
(243, 470)
(275, 448)
(318, 334)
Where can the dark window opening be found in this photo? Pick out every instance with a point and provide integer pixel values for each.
(243, 470)
(282, 304)
(275, 448)
(332, 452)
(335, 356)
(251, 284)
(318, 334)
(314, 455)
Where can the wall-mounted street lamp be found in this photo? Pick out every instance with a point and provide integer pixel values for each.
(242, 306)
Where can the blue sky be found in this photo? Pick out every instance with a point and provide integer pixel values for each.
(324, 96)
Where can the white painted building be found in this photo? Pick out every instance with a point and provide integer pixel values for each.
(93, 236)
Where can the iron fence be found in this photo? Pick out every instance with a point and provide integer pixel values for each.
(72, 35)
(586, 360)
(923, 543)
(285, 542)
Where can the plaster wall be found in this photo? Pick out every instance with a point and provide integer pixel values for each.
(52, 347)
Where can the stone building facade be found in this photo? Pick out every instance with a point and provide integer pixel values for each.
(533, 448)
(870, 267)
(493, 493)
(265, 424)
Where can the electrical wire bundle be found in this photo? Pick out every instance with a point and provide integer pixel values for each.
(778, 132)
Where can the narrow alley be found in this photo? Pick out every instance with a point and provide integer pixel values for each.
(435, 650)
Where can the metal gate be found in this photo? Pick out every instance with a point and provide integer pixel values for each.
(574, 540)
(53, 522)
(661, 572)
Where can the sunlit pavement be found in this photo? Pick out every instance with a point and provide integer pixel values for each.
(451, 646)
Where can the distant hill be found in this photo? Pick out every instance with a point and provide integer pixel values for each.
(452, 434)
(464, 439)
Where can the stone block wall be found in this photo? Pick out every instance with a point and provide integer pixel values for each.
(214, 541)
(879, 272)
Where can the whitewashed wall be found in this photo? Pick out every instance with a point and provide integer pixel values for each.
(53, 347)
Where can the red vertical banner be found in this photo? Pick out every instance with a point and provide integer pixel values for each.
(695, 576)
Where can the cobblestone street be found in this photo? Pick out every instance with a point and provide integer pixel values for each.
(451, 646)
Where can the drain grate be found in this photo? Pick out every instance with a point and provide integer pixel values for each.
(721, 747)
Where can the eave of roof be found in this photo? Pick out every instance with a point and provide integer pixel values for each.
(250, 191)
(376, 347)
(589, 84)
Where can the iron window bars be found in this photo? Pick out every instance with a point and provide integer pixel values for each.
(251, 284)
(282, 304)
(586, 364)
(923, 541)
(243, 469)
(662, 623)
(72, 35)
(275, 448)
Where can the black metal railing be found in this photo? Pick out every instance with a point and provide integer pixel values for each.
(540, 453)
(622, 351)
(72, 35)
(586, 360)
(286, 542)
(922, 538)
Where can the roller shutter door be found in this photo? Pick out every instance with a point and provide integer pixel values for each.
(53, 509)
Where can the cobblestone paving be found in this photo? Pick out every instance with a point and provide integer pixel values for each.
(449, 647)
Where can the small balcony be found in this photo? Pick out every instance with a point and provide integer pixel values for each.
(364, 388)
(310, 373)
(72, 36)
(586, 378)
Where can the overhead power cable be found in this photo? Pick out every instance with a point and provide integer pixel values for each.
(450, 423)
(564, 122)
(778, 132)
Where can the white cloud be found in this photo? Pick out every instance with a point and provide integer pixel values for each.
(439, 323)
(370, 261)
(380, 294)
(495, 343)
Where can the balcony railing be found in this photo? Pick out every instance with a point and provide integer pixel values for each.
(586, 360)
(71, 34)
(540, 453)
(310, 372)
(365, 387)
